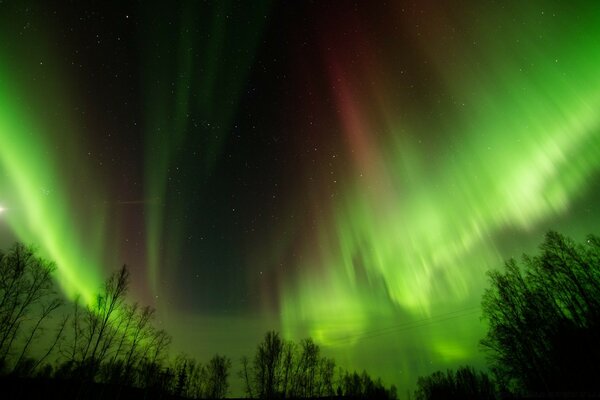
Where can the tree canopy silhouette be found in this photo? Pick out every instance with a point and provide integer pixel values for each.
(464, 384)
(111, 349)
(284, 369)
(26, 293)
(543, 315)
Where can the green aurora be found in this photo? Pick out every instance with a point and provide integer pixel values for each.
(38, 208)
(446, 140)
(174, 108)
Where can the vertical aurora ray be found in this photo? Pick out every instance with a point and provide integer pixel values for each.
(512, 142)
(191, 98)
(36, 186)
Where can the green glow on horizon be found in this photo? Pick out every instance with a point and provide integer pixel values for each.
(416, 223)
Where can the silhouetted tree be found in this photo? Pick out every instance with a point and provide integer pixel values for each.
(266, 365)
(97, 327)
(107, 305)
(158, 345)
(246, 375)
(116, 370)
(362, 386)
(543, 316)
(464, 384)
(46, 310)
(283, 369)
(287, 366)
(112, 348)
(351, 384)
(325, 377)
(57, 339)
(182, 363)
(71, 348)
(150, 371)
(218, 374)
(140, 333)
(306, 369)
(198, 380)
(25, 285)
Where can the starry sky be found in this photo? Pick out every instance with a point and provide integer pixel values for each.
(347, 171)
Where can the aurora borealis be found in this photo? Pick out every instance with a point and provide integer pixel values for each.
(345, 171)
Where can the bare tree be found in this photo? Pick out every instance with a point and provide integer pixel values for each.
(47, 309)
(59, 336)
(543, 315)
(326, 372)
(465, 383)
(218, 374)
(287, 373)
(26, 281)
(109, 302)
(266, 365)
(246, 375)
(72, 348)
(308, 364)
(197, 380)
(152, 375)
(181, 375)
(100, 318)
(161, 340)
(126, 320)
(140, 332)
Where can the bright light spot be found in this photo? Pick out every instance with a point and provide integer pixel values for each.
(2, 209)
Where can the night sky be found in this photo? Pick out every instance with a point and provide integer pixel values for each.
(342, 170)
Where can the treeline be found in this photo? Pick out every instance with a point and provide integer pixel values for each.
(98, 350)
(112, 349)
(543, 338)
(285, 369)
(464, 383)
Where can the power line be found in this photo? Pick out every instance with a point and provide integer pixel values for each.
(408, 325)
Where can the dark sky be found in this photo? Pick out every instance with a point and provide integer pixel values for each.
(344, 170)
